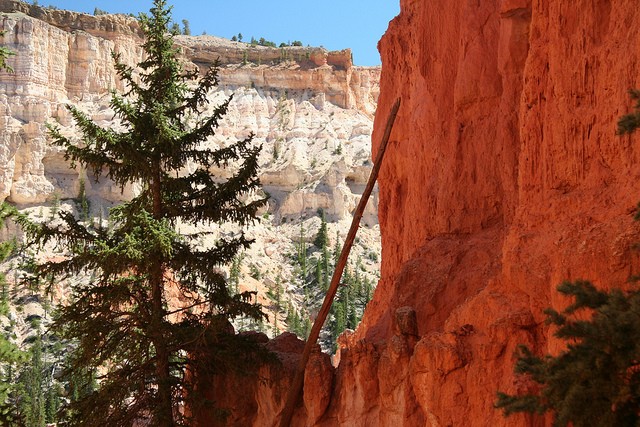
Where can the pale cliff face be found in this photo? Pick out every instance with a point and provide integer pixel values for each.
(311, 109)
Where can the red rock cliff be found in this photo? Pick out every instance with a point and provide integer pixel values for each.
(503, 178)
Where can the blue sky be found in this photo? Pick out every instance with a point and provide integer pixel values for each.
(334, 24)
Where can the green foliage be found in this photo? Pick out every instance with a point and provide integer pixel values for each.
(4, 54)
(97, 12)
(55, 205)
(234, 273)
(630, 122)
(259, 42)
(254, 272)
(302, 252)
(10, 356)
(264, 42)
(186, 27)
(53, 402)
(83, 201)
(596, 380)
(123, 323)
(31, 404)
(323, 270)
(6, 249)
(322, 238)
(4, 295)
(32, 394)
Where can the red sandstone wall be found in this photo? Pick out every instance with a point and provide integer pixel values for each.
(503, 178)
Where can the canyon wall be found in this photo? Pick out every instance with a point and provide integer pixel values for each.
(504, 177)
(310, 108)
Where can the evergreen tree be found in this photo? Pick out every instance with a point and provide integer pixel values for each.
(53, 402)
(306, 327)
(302, 254)
(10, 358)
(32, 400)
(123, 323)
(186, 27)
(336, 249)
(326, 268)
(234, 273)
(4, 54)
(321, 242)
(340, 322)
(630, 122)
(322, 238)
(595, 382)
(83, 201)
(319, 274)
(10, 355)
(6, 249)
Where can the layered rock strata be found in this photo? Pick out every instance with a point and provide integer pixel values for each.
(311, 109)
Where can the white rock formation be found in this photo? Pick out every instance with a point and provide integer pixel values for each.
(311, 110)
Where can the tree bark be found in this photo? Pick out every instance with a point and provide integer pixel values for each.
(296, 387)
(164, 410)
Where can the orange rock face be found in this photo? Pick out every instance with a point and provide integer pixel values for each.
(503, 178)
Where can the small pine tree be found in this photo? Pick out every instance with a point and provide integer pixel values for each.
(6, 249)
(322, 238)
(53, 402)
(234, 273)
(10, 358)
(302, 253)
(32, 401)
(55, 205)
(4, 55)
(83, 201)
(630, 122)
(186, 27)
